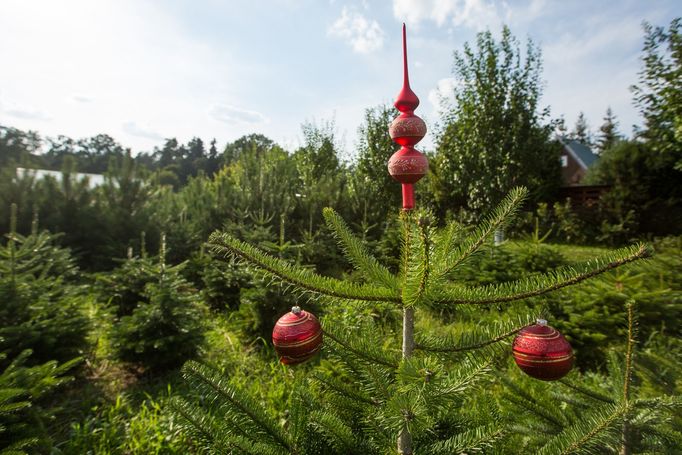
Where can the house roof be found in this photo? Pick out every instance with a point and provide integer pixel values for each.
(582, 153)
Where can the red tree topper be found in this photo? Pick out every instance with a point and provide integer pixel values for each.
(297, 336)
(407, 165)
(542, 352)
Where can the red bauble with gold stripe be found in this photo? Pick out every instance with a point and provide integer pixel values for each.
(542, 352)
(297, 336)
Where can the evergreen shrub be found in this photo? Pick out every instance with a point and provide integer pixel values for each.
(165, 328)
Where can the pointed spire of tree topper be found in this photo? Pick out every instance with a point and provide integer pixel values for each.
(407, 165)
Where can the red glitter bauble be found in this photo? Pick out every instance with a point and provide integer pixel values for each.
(297, 336)
(407, 165)
(542, 352)
(407, 129)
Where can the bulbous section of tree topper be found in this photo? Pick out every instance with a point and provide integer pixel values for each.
(407, 129)
(407, 165)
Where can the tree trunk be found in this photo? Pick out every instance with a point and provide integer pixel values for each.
(625, 439)
(405, 438)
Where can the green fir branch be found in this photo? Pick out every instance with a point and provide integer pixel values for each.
(340, 435)
(416, 259)
(302, 278)
(344, 389)
(499, 218)
(214, 382)
(199, 422)
(532, 404)
(357, 253)
(216, 435)
(478, 338)
(362, 352)
(588, 392)
(372, 379)
(474, 440)
(588, 432)
(539, 284)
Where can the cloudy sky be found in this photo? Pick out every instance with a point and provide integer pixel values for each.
(143, 70)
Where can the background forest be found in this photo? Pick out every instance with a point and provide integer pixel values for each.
(107, 289)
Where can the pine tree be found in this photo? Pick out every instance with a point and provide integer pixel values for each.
(581, 130)
(608, 132)
(384, 390)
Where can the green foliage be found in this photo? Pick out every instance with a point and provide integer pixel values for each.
(41, 310)
(643, 187)
(18, 146)
(659, 93)
(220, 282)
(364, 397)
(608, 132)
(646, 175)
(124, 287)
(581, 131)
(23, 393)
(122, 427)
(165, 328)
(372, 190)
(593, 314)
(237, 423)
(259, 309)
(495, 136)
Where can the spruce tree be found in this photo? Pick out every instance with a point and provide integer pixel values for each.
(581, 130)
(608, 132)
(40, 308)
(160, 324)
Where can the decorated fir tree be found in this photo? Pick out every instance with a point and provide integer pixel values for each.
(381, 388)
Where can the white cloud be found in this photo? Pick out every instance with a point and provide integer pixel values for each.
(134, 129)
(579, 48)
(475, 14)
(232, 114)
(364, 35)
(442, 93)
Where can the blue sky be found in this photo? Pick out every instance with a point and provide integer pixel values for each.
(142, 70)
